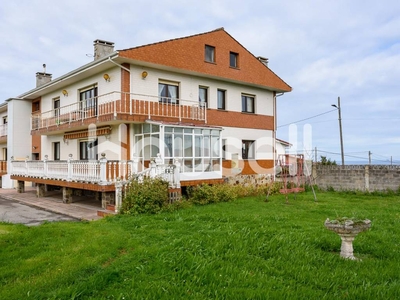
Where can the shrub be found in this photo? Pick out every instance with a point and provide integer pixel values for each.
(205, 194)
(149, 196)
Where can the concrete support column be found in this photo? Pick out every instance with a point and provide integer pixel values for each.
(40, 190)
(67, 194)
(21, 186)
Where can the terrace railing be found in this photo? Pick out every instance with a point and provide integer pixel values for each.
(102, 172)
(115, 103)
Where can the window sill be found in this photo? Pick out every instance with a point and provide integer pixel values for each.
(249, 113)
(235, 68)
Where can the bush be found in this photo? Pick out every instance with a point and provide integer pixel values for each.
(149, 196)
(206, 194)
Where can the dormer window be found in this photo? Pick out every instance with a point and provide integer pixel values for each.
(233, 59)
(210, 54)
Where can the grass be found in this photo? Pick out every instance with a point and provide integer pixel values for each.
(247, 249)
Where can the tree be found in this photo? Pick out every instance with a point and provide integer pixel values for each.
(327, 161)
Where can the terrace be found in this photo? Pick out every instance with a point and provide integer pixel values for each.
(106, 177)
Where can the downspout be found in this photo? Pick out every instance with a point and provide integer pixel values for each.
(121, 66)
(130, 126)
(274, 132)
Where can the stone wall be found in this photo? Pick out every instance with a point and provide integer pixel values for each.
(357, 177)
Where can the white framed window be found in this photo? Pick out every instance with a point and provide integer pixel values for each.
(248, 103)
(56, 107)
(233, 59)
(221, 95)
(209, 54)
(168, 92)
(248, 149)
(88, 149)
(88, 98)
(56, 151)
(203, 96)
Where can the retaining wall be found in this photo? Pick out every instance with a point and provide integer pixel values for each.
(357, 177)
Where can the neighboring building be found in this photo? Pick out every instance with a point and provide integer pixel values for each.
(281, 148)
(202, 101)
(3, 139)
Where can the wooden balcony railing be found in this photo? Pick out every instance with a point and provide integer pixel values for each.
(115, 103)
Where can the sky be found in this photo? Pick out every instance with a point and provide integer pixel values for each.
(323, 49)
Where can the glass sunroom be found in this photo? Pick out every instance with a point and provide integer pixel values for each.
(196, 148)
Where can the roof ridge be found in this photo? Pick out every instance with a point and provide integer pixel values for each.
(174, 39)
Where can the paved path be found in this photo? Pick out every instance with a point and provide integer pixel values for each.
(26, 208)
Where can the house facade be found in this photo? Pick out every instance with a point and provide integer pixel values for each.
(202, 103)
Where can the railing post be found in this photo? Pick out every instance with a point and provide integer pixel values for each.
(153, 167)
(149, 109)
(103, 169)
(45, 166)
(69, 166)
(177, 176)
(134, 167)
(118, 195)
(26, 165)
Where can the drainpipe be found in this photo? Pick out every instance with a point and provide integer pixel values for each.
(121, 66)
(274, 131)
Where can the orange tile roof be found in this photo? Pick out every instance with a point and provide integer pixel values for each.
(187, 53)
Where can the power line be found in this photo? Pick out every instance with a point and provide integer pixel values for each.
(307, 118)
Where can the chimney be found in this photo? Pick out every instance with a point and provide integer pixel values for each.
(42, 78)
(264, 60)
(102, 49)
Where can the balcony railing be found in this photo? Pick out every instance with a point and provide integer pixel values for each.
(102, 172)
(115, 103)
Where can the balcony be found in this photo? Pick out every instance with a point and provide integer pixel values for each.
(120, 106)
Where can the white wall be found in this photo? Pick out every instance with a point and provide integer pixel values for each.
(234, 136)
(189, 89)
(19, 140)
(103, 87)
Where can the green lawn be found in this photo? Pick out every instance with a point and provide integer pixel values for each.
(247, 249)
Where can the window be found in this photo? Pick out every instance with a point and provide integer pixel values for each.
(203, 96)
(233, 59)
(197, 149)
(210, 53)
(147, 140)
(221, 99)
(168, 92)
(88, 150)
(56, 107)
(56, 151)
(248, 150)
(5, 120)
(88, 100)
(248, 103)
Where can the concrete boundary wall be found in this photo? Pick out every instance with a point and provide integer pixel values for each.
(357, 177)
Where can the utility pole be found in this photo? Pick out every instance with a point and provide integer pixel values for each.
(369, 157)
(340, 129)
